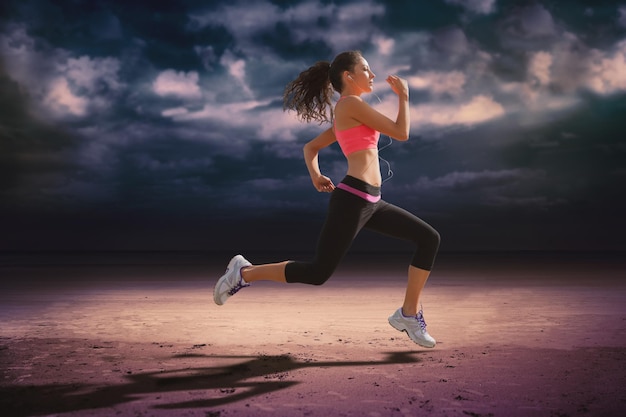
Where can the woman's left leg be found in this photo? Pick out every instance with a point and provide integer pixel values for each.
(396, 222)
(416, 282)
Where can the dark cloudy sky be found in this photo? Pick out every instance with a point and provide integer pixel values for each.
(159, 124)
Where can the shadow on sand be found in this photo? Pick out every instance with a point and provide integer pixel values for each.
(254, 376)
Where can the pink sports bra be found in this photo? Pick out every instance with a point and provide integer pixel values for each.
(356, 138)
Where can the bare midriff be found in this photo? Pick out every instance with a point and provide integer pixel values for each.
(364, 165)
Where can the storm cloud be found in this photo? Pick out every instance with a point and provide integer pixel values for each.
(148, 125)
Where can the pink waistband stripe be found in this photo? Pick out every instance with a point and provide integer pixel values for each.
(365, 196)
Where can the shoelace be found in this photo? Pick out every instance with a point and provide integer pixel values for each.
(237, 287)
(420, 319)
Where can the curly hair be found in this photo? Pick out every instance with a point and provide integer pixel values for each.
(311, 92)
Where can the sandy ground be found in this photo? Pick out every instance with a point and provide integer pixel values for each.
(516, 337)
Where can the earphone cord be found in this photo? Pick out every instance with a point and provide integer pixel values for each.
(389, 171)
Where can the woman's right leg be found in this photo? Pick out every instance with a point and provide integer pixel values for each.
(267, 272)
(346, 216)
(343, 221)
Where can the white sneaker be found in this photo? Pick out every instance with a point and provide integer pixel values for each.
(231, 281)
(414, 326)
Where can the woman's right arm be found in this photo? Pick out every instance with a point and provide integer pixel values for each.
(311, 152)
(403, 121)
(363, 113)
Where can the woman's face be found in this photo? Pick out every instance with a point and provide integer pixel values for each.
(362, 76)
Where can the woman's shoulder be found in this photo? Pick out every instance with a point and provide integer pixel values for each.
(349, 103)
(350, 98)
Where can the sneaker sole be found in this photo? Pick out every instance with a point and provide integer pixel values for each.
(401, 328)
(216, 295)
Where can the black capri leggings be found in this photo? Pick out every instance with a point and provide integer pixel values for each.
(347, 215)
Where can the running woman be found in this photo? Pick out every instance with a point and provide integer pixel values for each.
(355, 203)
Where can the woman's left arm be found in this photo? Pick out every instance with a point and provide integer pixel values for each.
(311, 152)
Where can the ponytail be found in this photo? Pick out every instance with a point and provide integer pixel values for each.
(310, 94)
